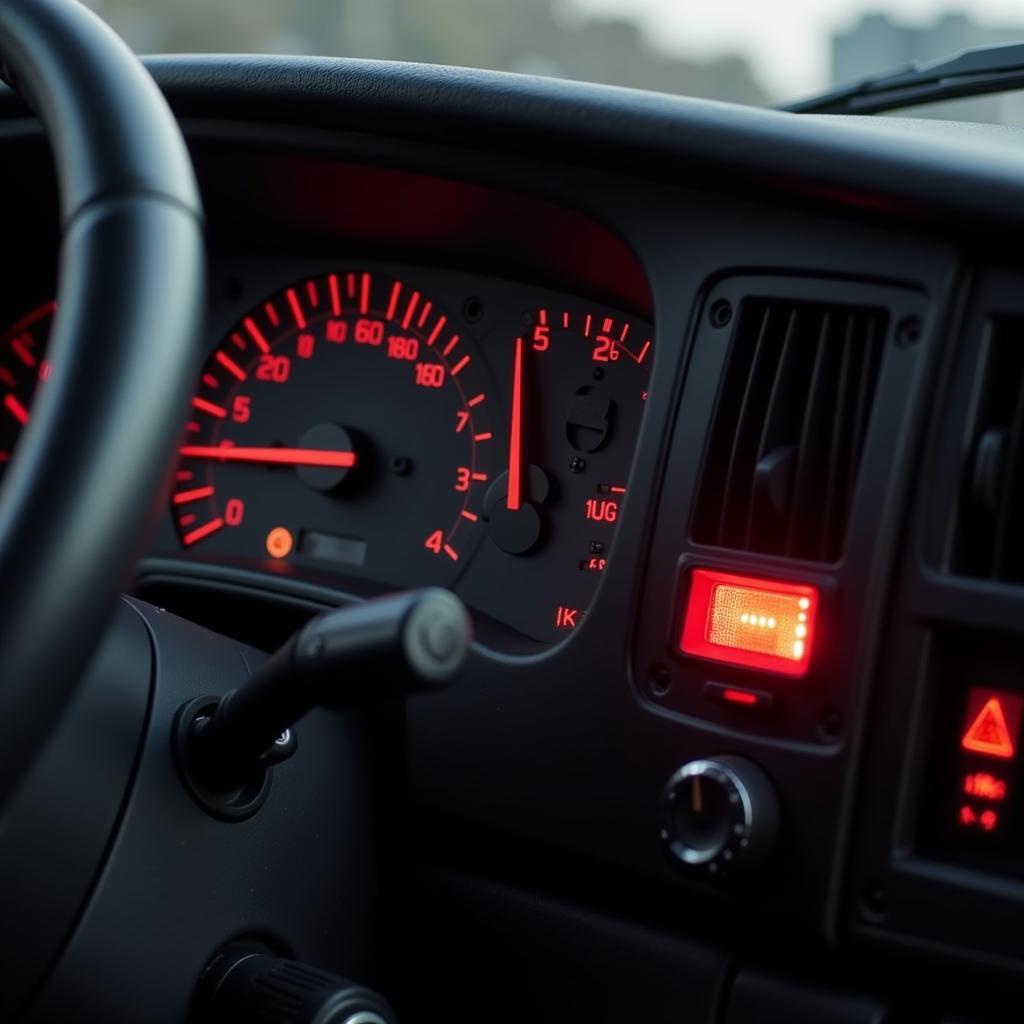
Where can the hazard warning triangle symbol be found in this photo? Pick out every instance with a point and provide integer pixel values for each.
(989, 733)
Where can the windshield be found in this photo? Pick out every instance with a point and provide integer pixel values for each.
(744, 51)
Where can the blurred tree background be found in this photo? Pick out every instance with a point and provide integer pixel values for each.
(547, 37)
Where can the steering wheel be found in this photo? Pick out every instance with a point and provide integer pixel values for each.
(173, 732)
(77, 496)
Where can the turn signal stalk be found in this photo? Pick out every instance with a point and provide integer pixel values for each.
(352, 657)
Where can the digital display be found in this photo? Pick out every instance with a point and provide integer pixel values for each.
(329, 547)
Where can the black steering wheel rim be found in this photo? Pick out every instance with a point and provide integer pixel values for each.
(80, 489)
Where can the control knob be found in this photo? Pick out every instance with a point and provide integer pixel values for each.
(719, 816)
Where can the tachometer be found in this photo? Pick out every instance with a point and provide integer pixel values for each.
(577, 386)
(342, 425)
(22, 365)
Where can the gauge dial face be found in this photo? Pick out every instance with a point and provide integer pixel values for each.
(22, 366)
(578, 378)
(341, 426)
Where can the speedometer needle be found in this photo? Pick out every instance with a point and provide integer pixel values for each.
(272, 456)
(515, 449)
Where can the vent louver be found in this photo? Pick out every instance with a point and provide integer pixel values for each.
(789, 428)
(987, 539)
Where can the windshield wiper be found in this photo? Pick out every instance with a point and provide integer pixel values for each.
(978, 71)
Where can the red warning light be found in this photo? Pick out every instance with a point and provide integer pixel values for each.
(985, 786)
(992, 723)
(744, 697)
(743, 620)
(987, 820)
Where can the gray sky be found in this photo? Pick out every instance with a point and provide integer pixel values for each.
(785, 40)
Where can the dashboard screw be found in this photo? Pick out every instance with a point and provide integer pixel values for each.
(472, 309)
(721, 313)
(830, 723)
(598, 374)
(401, 466)
(660, 680)
(908, 332)
(577, 464)
(874, 903)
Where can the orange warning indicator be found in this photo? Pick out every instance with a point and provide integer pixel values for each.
(279, 542)
(992, 723)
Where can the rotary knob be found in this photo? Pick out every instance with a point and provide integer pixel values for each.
(720, 816)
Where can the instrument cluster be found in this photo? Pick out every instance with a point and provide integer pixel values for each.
(399, 426)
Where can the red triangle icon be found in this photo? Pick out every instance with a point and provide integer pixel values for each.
(989, 733)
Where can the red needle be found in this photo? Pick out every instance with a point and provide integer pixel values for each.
(272, 456)
(515, 448)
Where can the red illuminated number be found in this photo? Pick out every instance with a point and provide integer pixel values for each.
(461, 419)
(403, 348)
(462, 479)
(605, 350)
(435, 542)
(541, 337)
(241, 409)
(430, 375)
(602, 511)
(369, 332)
(305, 346)
(337, 331)
(234, 510)
(274, 368)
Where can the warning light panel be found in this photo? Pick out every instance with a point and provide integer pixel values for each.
(753, 622)
(992, 723)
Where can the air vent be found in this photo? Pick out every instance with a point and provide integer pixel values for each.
(789, 428)
(987, 535)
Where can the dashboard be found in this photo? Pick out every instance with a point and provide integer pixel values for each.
(712, 419)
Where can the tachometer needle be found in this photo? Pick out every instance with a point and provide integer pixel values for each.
(272, 456)
(515, 449)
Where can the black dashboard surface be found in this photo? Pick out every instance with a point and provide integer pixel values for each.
(545, 767)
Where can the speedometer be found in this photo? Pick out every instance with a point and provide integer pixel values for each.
(343, 424)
